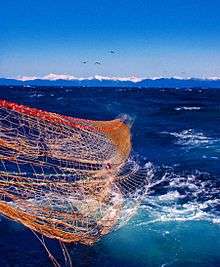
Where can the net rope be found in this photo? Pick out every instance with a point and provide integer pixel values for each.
(66, 178)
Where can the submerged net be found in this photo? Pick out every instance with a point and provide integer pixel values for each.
(66, 178)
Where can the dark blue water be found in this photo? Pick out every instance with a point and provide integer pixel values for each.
(176, 136)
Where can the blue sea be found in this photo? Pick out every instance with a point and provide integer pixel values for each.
(176, 137)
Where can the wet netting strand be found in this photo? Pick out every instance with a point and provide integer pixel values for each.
(66, 178)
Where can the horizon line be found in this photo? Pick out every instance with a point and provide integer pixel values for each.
(135, 79)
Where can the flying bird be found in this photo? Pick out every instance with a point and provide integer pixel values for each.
(112, 52)
(98, 63)
(84, 62)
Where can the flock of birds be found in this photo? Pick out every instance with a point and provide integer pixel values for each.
(98, 62)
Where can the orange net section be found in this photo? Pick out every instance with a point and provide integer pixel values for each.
(63, 177)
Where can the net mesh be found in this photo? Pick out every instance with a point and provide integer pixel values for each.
(66, 178)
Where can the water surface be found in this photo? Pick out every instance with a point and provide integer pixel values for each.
(176, 136)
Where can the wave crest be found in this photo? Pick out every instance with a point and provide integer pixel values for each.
(181, 197)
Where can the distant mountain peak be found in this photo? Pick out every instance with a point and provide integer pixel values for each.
(53, 79)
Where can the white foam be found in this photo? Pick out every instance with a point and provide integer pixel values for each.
(36, 95)
(191, 138)
(182, 198)
(170, 196)
(187, 108)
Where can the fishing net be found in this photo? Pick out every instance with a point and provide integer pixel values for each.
(66, 178)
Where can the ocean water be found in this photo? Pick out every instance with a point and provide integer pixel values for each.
(176, 137)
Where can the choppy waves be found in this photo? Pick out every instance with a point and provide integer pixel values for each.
(191, 138)
(181, 197)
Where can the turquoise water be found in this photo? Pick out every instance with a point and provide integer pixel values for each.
(164, 244)
(176, 137)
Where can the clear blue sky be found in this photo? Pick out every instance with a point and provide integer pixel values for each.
(151, 38)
